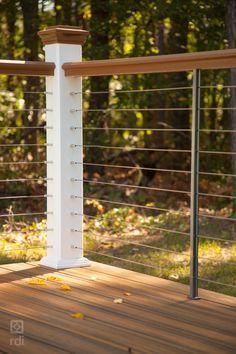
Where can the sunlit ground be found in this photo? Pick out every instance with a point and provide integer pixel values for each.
(125, 238)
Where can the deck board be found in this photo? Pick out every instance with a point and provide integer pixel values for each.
(157, 318)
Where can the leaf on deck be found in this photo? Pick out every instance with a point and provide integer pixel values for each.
(37, 282)
(78, 315)
(53, 278)
(65, 287)
(118, 301)
(127, 294)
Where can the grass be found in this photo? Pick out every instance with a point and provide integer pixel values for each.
(125, 234)
(21, 243)
(129, 239)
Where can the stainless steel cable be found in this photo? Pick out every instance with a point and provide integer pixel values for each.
(30, 127)
(25, 162)
(123, 259)
(25, 196)
(217, 195)
(25, 145)
(154, 208)
(217, 217)
(28, 231)
(130, 186)
(218, 108)
(26, 110)
(151, 109)
(131, 109)
(172, 251)
(24, 249)
(124, 242)
(217, 174)
(216, 239)
(26, 214)
(219, 87)
(134, 167)
(156, 129)
(132, 91)
(216, 282)
(141, 226)
(156, 248)
(28, 92)
(135, 129)
(156, 169)
(126, 204)
(218, 152)
(25, 180)
(128, 148)
(217, 130)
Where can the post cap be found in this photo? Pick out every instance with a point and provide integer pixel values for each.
(63, 34)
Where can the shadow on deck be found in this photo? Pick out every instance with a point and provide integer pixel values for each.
(156, 318)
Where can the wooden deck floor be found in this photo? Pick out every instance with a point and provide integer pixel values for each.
(157, 318)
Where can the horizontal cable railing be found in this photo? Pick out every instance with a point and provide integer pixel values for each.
(124, 204)
(158, 180)
(100, 179)
(38, 127)
(24, 162)
(88, 92)
(130, 186)
(140, 226)
(7, 92)
(23, 178)
(25, 214)
(25, 248)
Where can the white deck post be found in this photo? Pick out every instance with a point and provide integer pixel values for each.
(65, 240)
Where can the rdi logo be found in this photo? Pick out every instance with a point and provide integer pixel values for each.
(17, 329)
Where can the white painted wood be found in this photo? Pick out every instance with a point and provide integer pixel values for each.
(67, 246)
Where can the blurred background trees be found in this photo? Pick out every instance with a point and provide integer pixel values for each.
(122, 29)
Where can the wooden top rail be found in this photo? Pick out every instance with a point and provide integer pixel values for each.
(28, 68)
(219, 59)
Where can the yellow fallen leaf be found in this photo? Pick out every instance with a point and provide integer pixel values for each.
(118, 301)
(78, 315)
(37, 282)
(54, 278)
(65, 287)
(127, 294)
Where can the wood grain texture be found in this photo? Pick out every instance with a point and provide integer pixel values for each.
(26, 68)
(218, 59)
(157, 318)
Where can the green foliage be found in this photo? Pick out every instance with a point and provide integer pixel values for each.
(124, 29)
(138, 242)
(21, 242)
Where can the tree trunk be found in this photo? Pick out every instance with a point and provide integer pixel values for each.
(179, 119)
(231, 30)
(31, 41)
(11, 20)
(67, 9)
(58, 12)
(11, 28)
(99, 31)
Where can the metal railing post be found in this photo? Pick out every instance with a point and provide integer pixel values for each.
(64, 43)
(194, 220)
